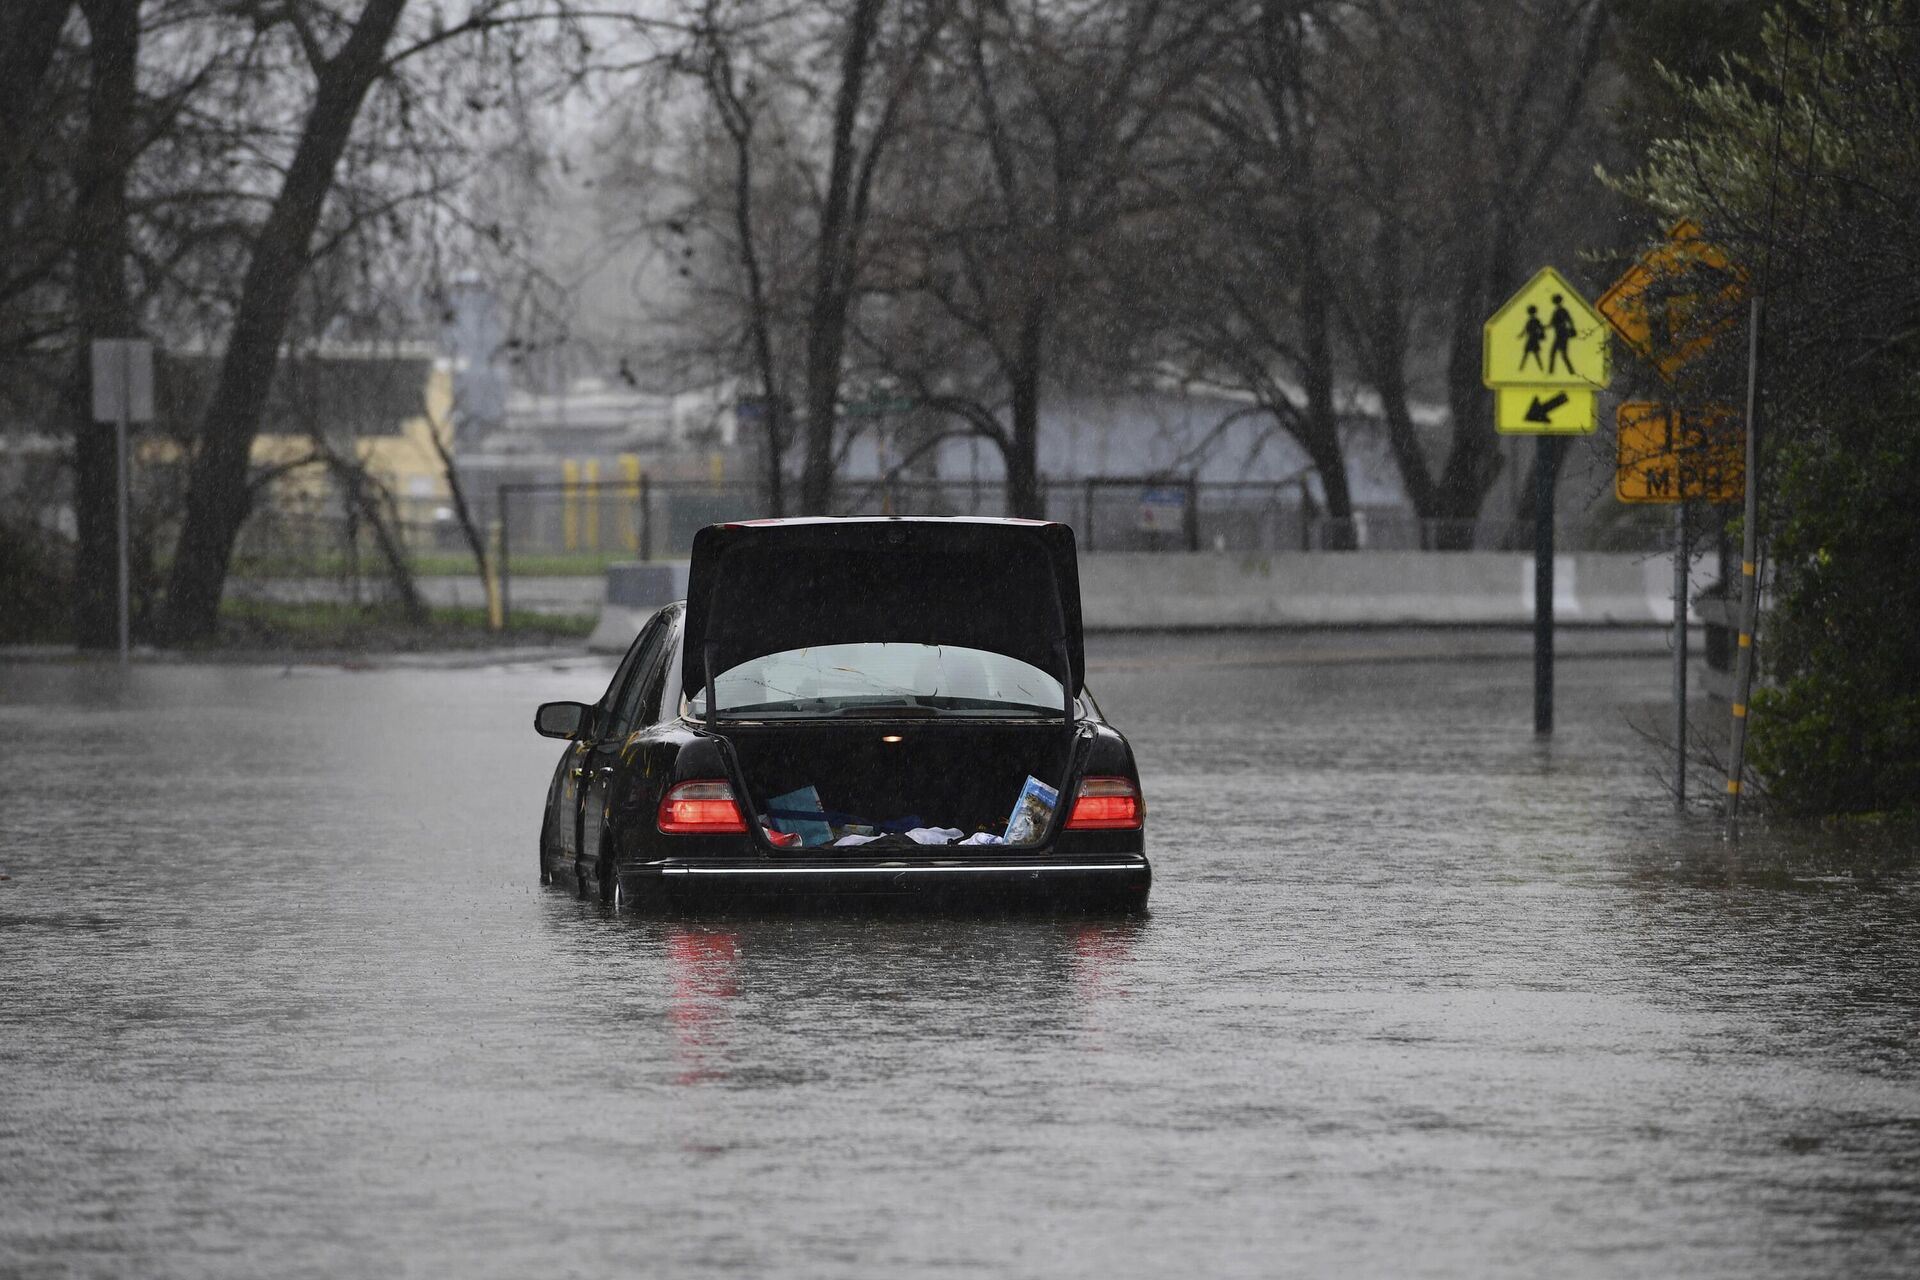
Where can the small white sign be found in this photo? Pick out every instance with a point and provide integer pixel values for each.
(122, 380)
(1163, 510)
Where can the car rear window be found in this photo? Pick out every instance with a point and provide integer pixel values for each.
(883, 679)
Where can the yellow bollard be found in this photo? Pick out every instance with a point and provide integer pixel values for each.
(592, 494)
(570, 505)
(630, 522)
(496, 616)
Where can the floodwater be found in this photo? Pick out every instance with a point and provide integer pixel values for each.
(279, 995)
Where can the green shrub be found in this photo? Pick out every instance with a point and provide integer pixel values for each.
(1840, 730)
(34, 589)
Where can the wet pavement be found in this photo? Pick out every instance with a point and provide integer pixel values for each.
(1418, 996)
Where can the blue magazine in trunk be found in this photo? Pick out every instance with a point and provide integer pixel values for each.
(1032, 812)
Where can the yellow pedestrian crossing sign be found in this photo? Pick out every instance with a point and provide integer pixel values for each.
(1546, 411)
(1546, 336)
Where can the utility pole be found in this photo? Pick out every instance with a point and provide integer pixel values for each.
(1680, 566)
(123, 395)
(1749, 575)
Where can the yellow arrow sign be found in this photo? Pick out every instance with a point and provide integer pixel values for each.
(1657, 305)
(1546, 411)
(1545, 336)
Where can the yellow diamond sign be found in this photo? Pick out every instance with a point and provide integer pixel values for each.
(1546, 336)
(1676, 300)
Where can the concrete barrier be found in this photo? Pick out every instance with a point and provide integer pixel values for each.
(1173, 592)
(633, 592)
(1178, 591)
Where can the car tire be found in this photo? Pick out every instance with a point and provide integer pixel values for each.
(546, 876)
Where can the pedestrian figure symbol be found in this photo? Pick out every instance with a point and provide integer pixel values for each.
(1546, 337)
(1535, 333)
(1563, 331)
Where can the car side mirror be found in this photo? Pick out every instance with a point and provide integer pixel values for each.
(562, 719)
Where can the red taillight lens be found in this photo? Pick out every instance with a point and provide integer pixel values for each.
(700, 808)
(1106, 804)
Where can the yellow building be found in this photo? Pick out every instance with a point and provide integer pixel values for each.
(402, 459)
(383, 407)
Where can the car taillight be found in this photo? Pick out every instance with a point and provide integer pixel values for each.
(700, 808)
(1106, 804)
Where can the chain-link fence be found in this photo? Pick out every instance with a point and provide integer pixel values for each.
(652, 520)
(646, 519)
(657, 520)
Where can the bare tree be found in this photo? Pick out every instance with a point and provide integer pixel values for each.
(219, 498)
(1052, 142)
(1246, 281)
(854, 155)
(346, 56)
(738, 110)
(1456, 117)
(30, 71)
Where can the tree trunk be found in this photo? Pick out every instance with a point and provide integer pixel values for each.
(834, 266)
(1320, 430)
(103, 305)
(365, 501)
(738, 120)
(776, 439)
(826, 346)
(29, 39)
(1025, 498)
(1474, 460)
(470, 530)
(218, 501)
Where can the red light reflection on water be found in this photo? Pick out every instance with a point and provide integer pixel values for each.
(1101, 955)
(704, 970)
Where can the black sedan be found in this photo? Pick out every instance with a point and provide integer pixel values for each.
(853, 707)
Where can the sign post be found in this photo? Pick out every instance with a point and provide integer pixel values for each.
(1669, 456)
(122, 395)
(1546, 463)
(1681, 563)
(1671, 306)
(1545, 354)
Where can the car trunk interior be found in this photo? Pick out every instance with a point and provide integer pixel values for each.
(958, 774)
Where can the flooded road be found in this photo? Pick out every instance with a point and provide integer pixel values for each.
(1418, 996)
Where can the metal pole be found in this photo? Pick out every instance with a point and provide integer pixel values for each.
(1680, 558)
(638, 513)
(506, 562)
(1749, 578)
(120, 450)
(1546, 458)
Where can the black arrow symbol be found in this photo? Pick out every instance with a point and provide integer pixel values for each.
(1542, 411)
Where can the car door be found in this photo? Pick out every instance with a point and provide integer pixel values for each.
(562, 834)
(622, 711)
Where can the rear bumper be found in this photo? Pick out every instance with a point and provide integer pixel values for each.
(1109, 880)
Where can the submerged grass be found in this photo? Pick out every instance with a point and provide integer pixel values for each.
(265, 624)
(430, 564)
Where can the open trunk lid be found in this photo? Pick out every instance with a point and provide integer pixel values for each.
(763, 587)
